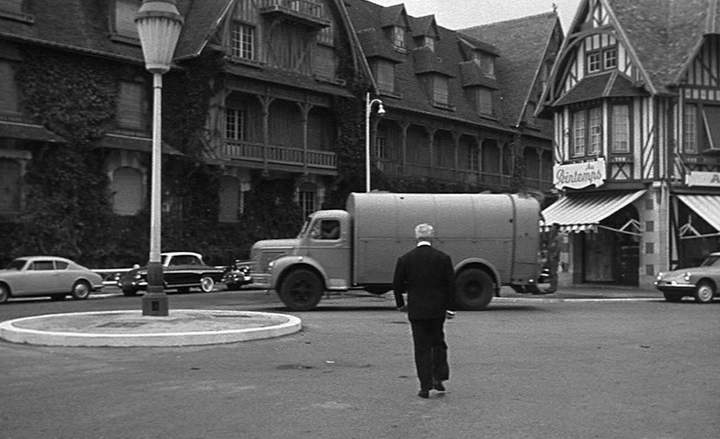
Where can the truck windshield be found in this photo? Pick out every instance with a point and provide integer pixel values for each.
(305, 227)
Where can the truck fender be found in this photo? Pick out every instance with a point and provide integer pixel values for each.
(282, 265)
(476, 262)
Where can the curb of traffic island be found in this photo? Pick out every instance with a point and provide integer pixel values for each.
(182, 327)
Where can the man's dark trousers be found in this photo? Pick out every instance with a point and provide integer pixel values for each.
(430, 351)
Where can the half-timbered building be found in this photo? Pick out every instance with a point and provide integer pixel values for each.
(635, 97)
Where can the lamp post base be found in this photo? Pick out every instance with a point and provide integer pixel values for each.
(155, 304)
(155, 301)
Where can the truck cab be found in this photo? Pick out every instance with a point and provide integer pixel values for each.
(320, 257)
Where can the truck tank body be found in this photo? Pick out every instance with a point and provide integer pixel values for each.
(500, 228)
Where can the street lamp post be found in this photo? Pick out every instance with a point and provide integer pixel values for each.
(159, 24)
(368, 110)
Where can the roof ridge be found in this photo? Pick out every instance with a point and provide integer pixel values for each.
(512, 20)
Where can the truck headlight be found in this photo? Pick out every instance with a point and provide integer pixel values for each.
(271, 264)
(686, 277)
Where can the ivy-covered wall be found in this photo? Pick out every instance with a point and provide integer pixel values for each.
(68, 209)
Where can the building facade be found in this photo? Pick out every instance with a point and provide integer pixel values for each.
(262, 118)
(634, 94)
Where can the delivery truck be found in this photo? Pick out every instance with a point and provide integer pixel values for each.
(493, 240)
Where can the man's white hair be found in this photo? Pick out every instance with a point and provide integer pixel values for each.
(424, 231)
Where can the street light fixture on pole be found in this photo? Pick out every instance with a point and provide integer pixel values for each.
(159, 24)
(368, 110)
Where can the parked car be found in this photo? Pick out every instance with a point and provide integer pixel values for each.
(700, 282)
(237, 275)
(47, 276)
(181, 271)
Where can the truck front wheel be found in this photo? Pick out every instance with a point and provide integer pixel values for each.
(473, 289)
(301, 290)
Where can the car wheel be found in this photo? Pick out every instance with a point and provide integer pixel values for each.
(4, 293)
(81, 290)
(473, 289)
(207, 284)
(704, 292)
(301, 290)
(672, 297)
(129, 292)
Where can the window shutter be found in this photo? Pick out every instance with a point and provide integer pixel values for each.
(125, 11)
(130, 106)
(8, 88)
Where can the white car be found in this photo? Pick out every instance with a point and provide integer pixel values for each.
(47, 276)
(701, 282)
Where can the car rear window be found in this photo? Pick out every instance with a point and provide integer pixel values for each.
(61, 265)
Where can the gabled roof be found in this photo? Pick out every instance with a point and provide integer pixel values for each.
(523, 45)
(201, 22)
(423, 26)
(410, 92)
(662, 36)
(393, 16)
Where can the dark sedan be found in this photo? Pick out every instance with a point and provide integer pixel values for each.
(181, 271)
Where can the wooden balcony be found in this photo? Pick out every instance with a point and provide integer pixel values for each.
(305, 12)
(280, 157)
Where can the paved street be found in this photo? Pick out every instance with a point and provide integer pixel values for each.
(525, 368)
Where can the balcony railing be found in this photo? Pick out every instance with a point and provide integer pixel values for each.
(306, 11)
(282, 155)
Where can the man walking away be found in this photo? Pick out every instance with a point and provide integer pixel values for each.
(426, 275)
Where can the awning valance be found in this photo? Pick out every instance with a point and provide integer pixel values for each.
(706, 206)
(583, 212)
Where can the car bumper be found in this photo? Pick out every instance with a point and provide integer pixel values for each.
(674, 287)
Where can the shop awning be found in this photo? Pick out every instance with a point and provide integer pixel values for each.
(583, 212)
(706, 206)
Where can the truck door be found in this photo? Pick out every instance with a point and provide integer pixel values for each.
(329, 244)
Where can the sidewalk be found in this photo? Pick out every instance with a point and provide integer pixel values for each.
(182, 327)
(592, 291)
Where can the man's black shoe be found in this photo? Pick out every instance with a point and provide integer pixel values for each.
(424, 394)
(439, 386)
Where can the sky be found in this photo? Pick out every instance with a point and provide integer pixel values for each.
(458, 14)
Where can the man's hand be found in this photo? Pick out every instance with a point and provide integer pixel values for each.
(450, 314)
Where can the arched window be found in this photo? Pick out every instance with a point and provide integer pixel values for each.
(9, 186)
(127, 191)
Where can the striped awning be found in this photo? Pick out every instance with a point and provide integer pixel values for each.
(706, 206)
(583, 212)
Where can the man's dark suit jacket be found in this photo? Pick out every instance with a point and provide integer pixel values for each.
(427, 276)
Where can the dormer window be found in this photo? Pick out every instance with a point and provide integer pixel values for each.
(398, 37)
(124, 22)
(428, 42)
(485, 62)
(484, 101)
(385, 75)
(441, 90)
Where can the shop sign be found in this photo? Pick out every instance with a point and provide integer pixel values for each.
(580, 175)
(697, 178)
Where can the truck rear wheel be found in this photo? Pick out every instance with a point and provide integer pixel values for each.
(473, 289)
(301, 290)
